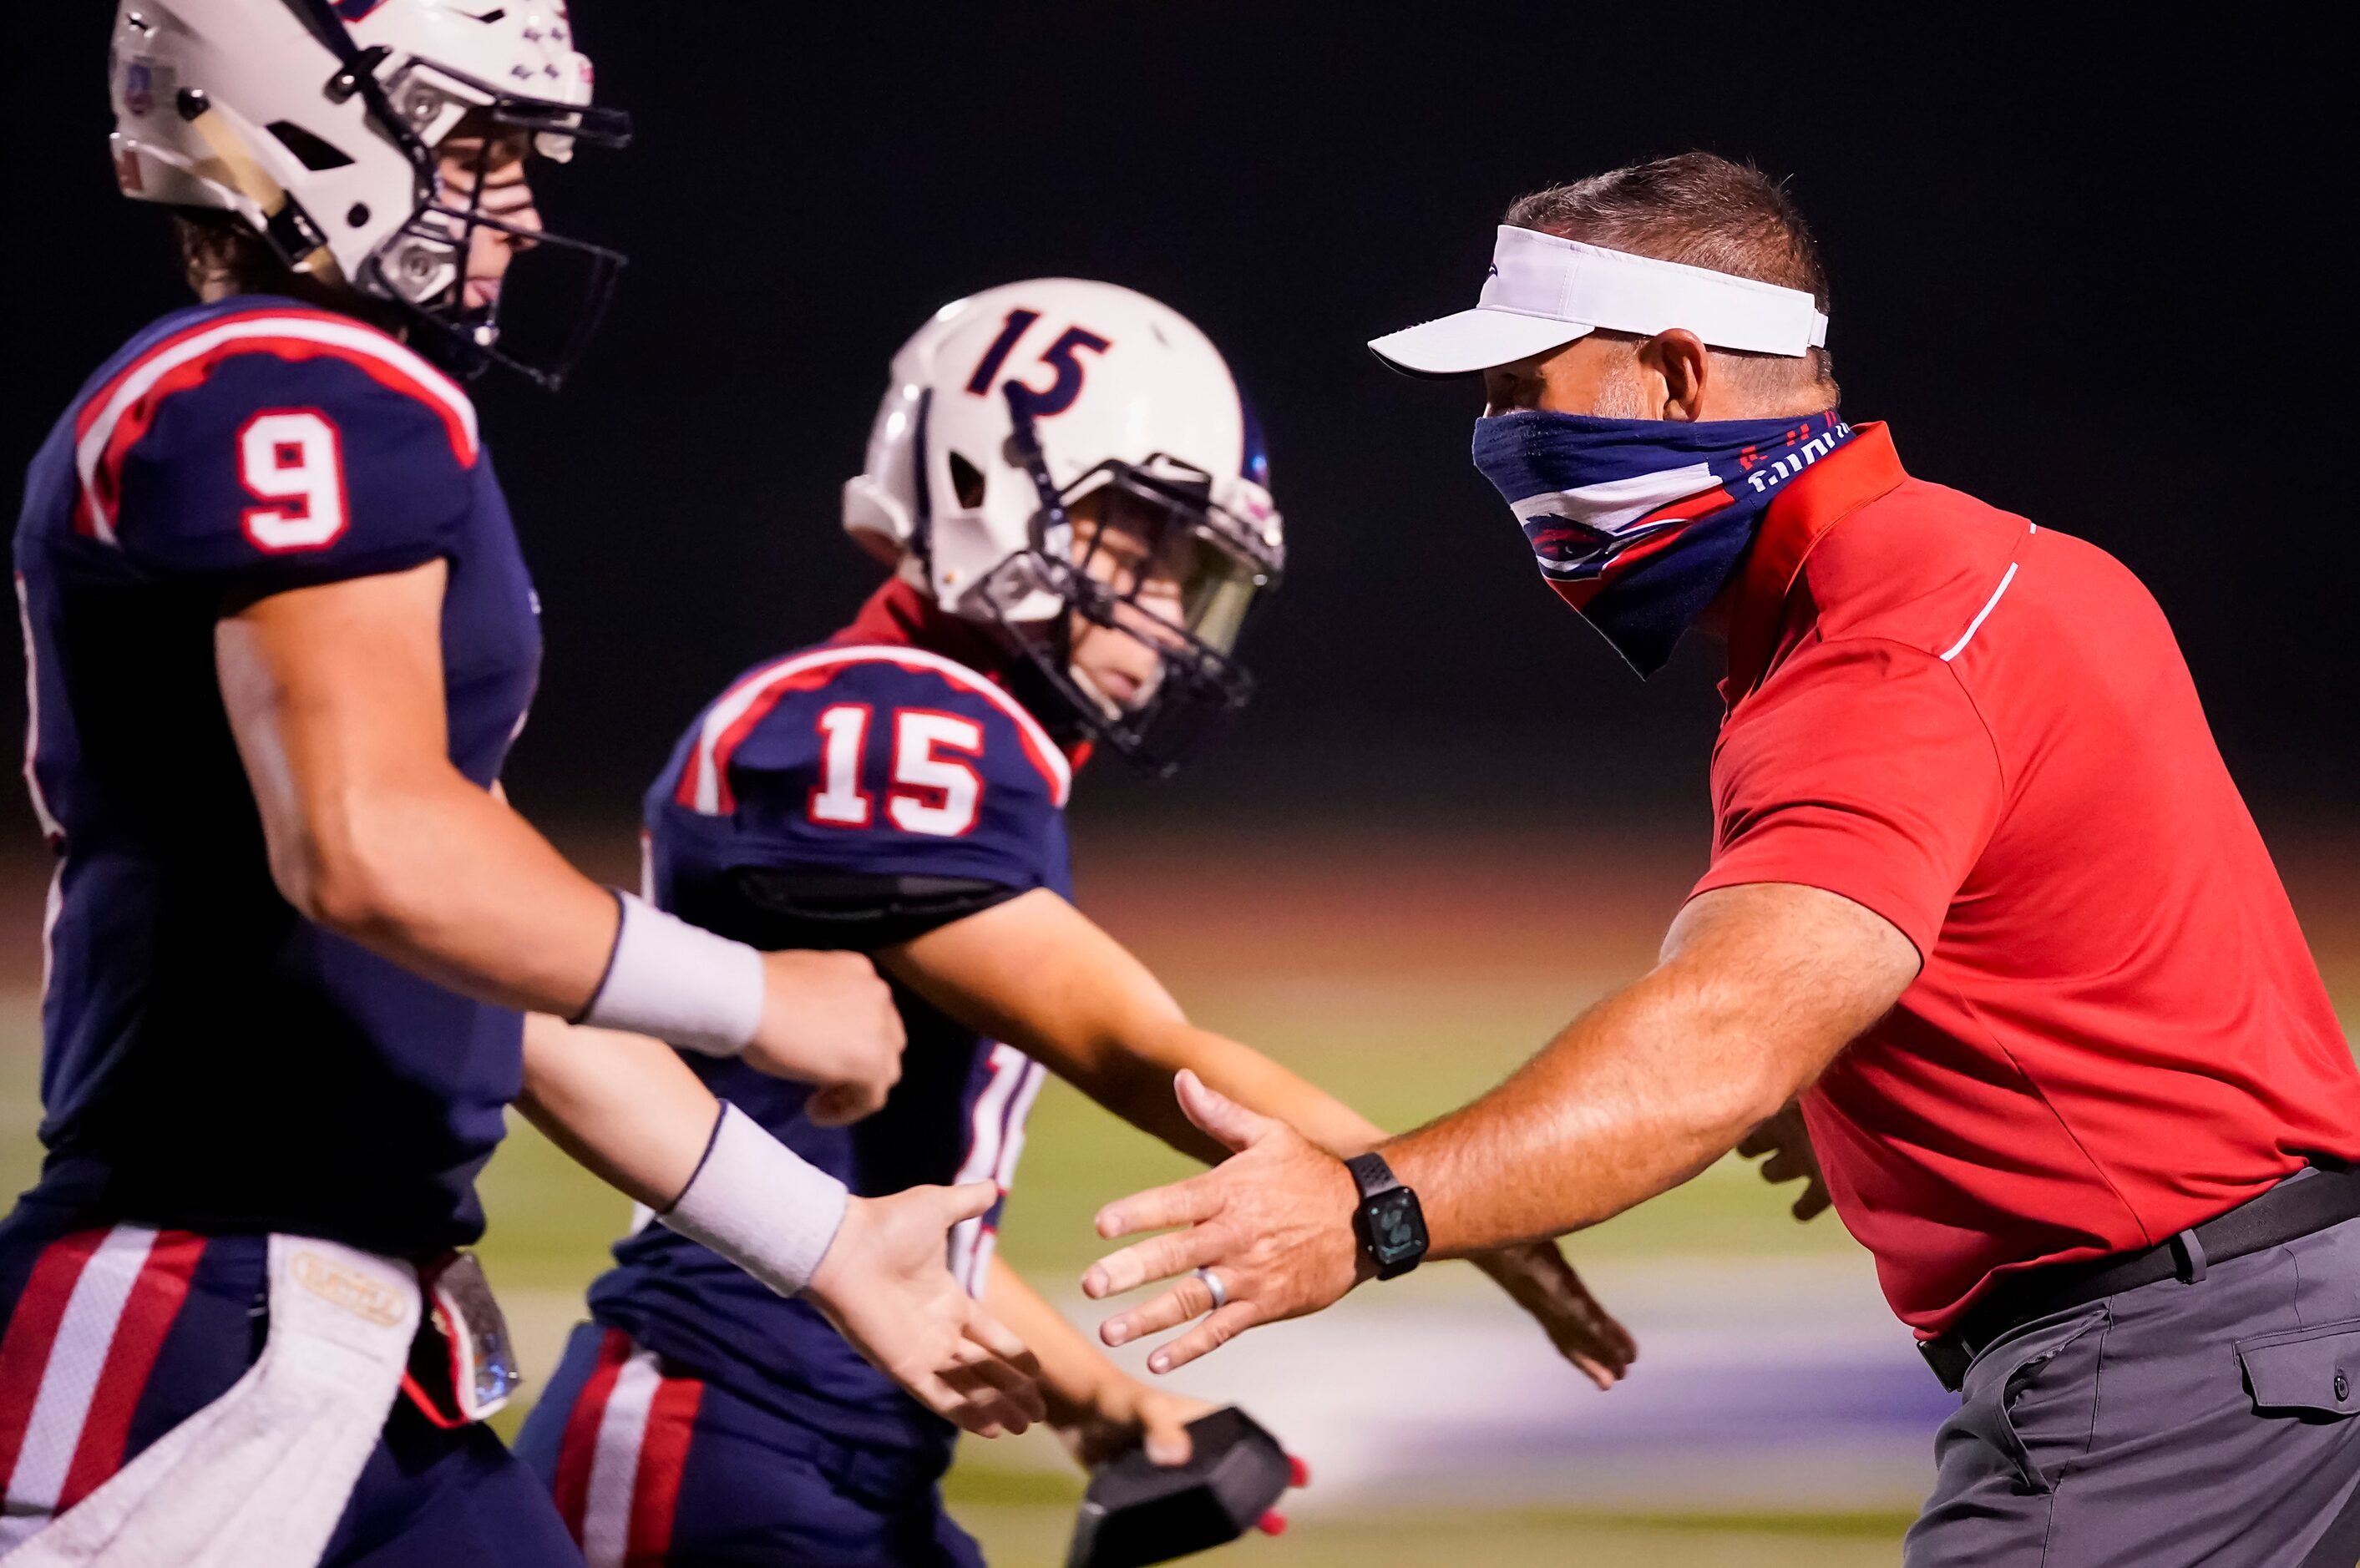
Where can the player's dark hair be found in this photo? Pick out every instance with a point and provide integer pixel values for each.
(219, 253)
(217, 248)
(1702, 211)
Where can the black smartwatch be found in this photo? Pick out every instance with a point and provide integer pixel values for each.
(1389, 1223)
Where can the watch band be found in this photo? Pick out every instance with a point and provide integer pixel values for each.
(1387, 1221)
(1372, 1174)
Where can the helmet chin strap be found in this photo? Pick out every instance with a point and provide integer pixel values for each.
(1057, 523)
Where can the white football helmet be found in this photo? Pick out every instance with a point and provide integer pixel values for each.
(316, 121)
(1011, 406)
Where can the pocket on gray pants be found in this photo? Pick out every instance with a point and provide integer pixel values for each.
(2034, 1398)
(2310, 1373)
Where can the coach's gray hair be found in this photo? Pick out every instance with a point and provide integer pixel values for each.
(1702, 211)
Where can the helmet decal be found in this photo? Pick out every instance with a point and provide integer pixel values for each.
(1041, 402)
(1019, 323)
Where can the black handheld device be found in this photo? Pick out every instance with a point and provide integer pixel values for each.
(1136, 1512)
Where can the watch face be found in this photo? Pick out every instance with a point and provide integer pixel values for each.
(1395, 1227)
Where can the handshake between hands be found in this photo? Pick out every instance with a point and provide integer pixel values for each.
(1272, 1223)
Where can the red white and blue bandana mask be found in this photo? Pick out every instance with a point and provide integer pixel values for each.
(1638, 523)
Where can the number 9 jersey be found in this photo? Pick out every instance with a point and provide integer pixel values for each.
(852, 795)
(214, 1061)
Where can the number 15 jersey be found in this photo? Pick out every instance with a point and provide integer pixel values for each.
(850, 795)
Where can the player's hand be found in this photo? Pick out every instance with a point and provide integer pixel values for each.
(1126, 1412)
(1540, 1279)
(1273, 1222)
(1787, 1142)
(884, 1286)
(828, 1018)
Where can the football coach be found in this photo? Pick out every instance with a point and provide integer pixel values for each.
(1981, 894)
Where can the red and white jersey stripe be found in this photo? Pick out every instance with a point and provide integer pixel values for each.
(115, 417)
(76, 1356)
(620, 1462)
(705, 784)
(995, 1141)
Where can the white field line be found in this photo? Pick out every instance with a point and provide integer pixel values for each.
(1762, 1384)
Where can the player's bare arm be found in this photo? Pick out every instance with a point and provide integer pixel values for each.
(336, 696)
(1038, 973)
(628, 1107)
(1044, 977)
(1759, 987)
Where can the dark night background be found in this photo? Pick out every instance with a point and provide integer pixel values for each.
(2092, 276)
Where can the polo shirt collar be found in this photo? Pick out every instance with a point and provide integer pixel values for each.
(1802, 514)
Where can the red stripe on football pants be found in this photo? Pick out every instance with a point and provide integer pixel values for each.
(579, 1447)
(32, 1333)
(664, 1459)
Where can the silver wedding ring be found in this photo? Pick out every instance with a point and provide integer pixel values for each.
(1212, 1287)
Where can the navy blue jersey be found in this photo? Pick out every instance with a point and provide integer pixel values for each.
(213, 1061)
(817, 788)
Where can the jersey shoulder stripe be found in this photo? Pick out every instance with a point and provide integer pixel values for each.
(704, 780)
(114, 418)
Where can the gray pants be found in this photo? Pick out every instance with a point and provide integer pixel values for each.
(2213, 1420)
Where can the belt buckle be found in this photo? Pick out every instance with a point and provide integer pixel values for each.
(1949, 1359)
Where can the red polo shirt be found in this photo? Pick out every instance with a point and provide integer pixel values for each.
(1983, 730)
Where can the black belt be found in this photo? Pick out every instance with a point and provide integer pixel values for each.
(2291, 1209)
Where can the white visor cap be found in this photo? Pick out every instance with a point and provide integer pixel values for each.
(1543, 292)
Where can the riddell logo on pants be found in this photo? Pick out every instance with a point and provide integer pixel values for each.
(347, 1287)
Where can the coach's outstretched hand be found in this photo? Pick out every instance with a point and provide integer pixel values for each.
(885, 1287)
(828, 1018)
(1273, 1222)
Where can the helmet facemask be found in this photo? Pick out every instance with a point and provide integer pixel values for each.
(1178, 542)
(539, 332)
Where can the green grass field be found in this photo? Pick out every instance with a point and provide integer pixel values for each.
(1345, 972)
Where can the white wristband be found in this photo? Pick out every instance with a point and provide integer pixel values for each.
(759, 1205)
(679, 983)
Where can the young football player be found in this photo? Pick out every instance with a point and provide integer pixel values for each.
(1074, 502)
(281, 638)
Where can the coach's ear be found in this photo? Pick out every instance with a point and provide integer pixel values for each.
(1675, 370)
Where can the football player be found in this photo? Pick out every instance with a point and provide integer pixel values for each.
(1074, 501)
(281, 638)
